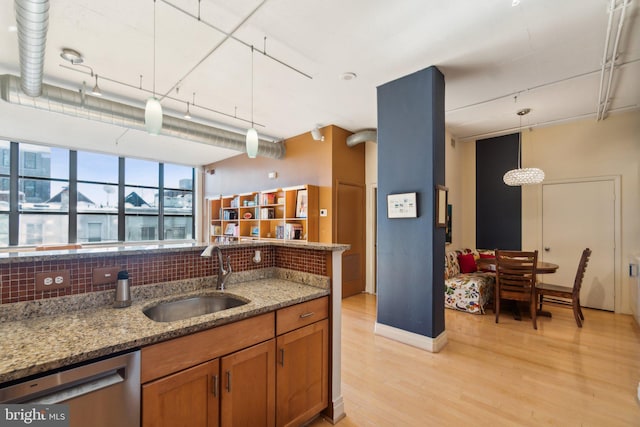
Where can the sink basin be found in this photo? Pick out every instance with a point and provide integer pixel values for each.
(191, 307)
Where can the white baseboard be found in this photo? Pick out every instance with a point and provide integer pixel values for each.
(433, 345)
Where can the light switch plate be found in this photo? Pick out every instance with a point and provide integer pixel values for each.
(105, 275)
(323, 212)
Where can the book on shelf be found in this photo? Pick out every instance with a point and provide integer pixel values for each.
(216, 230)
(279, 231)
(293, 231)
(267, 213)
(268, 199)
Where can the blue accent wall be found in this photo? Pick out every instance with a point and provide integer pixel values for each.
(410, 255)
(498, 206)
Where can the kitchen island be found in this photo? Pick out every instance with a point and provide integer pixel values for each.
(45, 334)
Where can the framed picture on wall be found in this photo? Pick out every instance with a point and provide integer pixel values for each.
(441, 206)
(402, 205)
(301, 204)
(447, 231)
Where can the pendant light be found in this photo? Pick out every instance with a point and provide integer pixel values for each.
(252, 134)
(153, 109)
(523, 176)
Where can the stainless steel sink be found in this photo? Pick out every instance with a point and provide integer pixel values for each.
(171, 311)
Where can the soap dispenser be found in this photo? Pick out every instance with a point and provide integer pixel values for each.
(123, 291)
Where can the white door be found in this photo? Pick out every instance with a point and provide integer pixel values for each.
(578, 215)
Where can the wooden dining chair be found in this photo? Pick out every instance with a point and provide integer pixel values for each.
(516, 279)
(567, 292)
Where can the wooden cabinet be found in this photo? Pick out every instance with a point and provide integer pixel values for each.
(281, 214)
(248, 392)
(187, 398)
(271, 369)
(207, 377)
(303, 362)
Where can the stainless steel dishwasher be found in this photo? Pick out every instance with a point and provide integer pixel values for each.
(105, 393)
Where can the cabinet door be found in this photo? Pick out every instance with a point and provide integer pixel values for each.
(248, 392)
(302, 374)
(187, 398)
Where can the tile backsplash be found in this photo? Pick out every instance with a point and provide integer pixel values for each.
(18, 279)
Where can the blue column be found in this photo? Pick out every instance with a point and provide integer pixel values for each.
(411, 158)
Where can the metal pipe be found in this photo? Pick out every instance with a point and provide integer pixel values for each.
(32, 18)
(604, 57)
(78, 104)
(613, 59)
(363, 136)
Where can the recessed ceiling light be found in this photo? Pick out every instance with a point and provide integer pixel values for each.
(348, 76)
(12, 28)
(71, 55)
(515, 2)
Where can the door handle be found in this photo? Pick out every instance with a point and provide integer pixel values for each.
(228, 381)
(214, 385)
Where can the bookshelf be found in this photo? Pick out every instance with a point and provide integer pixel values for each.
(277, 214)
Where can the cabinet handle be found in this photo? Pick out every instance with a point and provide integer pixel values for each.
(309, 314)
(214, 385)
(282, 357)
(229, 381)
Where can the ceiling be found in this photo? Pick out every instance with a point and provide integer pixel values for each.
(496, 58)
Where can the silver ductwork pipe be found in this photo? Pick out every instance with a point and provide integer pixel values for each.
(362, 136)
(76, 104)
(32, 18)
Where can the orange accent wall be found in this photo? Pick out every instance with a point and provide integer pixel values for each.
(306, 161)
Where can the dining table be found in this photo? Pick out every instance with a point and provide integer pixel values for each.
(542, 267)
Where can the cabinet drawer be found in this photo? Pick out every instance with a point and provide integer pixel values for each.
(296, 316)
(177, 354)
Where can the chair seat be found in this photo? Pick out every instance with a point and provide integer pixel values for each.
(548, 288)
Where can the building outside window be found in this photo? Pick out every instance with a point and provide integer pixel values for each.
(157, 202)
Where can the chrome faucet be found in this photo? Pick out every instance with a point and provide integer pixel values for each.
(223, 274)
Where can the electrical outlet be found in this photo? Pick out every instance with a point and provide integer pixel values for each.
(53, 280)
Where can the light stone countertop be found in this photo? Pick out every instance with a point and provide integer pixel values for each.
(7, 257)
(40, 344)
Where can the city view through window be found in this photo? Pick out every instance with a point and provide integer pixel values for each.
(116, 199)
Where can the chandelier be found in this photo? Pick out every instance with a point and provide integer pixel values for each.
(523, 176)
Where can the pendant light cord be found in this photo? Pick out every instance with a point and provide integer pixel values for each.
(251, 85)
(154, 48)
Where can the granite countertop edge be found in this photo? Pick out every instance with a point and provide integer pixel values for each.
(89, 252)
(38, 345)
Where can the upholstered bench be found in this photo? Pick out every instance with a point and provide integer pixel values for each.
(466, 288)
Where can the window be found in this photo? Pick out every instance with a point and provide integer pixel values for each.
(98, 206)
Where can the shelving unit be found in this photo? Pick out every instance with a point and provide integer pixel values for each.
(266, 215)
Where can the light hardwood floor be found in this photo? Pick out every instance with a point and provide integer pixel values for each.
(504, 374)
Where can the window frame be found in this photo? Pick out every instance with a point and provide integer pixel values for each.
(15, 210)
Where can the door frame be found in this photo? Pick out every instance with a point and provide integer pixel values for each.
(371, 238)
(617, 230)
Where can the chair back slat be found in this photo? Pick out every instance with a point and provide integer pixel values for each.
(516, 274)
(582, 267)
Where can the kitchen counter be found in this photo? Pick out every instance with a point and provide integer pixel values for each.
(40, 344)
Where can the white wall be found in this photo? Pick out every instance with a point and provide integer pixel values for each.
(588, 149)
(580, 149)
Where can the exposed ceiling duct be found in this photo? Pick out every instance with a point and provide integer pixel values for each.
(32, 17)
(362, 136)
(77, 104)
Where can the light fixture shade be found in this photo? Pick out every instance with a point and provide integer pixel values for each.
(523, 176)
(252, 143)
(153, 116)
